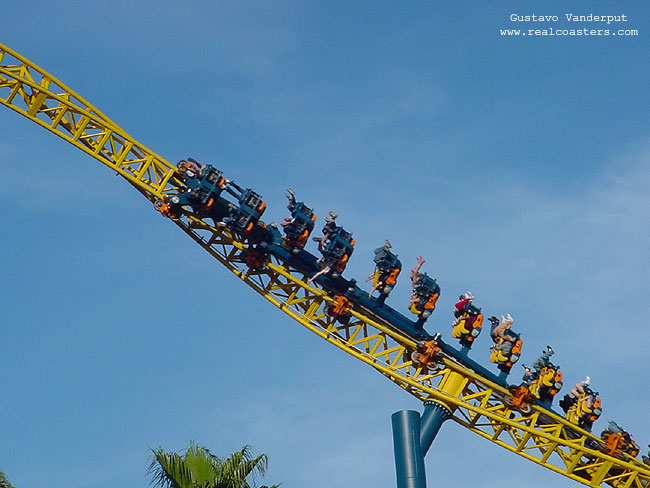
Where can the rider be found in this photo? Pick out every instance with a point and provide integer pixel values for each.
(425, 293)
(193, 165)
(507, 346)
(543, 360)
(336, 247)
(416, 277)
(415, 274)
(469, 320)
(291, 196)
(579, 390)
(529, 375)
(297, 227)
(582, 405)
(614, 428)
(546, 380)
(329, 227)
(462, 305)
(618, 440)
(539, 363)
(202, 187)
(387, 269)
(503, 341)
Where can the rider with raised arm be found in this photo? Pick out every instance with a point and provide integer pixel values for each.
(297, 227)
(425, 293)
(193, 165)
(415, 274)
(329, 227)
(336, 247)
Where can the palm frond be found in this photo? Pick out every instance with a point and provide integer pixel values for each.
(202, 463)
(169, 470)
(4, 482)
(243, 465)
(197, 467)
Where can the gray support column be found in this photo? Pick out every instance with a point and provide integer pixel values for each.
(409, 458)
(434, 415)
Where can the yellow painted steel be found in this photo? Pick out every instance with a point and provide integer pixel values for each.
(453, 384)
(477, 404)
(37, 95)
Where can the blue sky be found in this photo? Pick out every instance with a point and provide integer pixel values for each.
(518, 167)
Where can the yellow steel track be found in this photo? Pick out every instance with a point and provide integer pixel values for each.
(477, 403)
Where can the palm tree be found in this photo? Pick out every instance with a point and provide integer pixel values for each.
(199, 468)
(4, 482)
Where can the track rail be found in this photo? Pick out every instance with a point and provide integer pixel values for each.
(476, 402)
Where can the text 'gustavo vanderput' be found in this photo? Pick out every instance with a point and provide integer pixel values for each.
(569, 17)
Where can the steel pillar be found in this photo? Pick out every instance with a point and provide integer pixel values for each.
(412, 438)
(434, 415)
(409, 458)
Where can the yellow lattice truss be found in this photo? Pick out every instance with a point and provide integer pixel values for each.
(477, 403)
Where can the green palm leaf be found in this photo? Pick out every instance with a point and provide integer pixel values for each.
(199, 468)
(4, 482)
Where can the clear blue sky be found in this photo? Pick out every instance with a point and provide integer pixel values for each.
(517, 166)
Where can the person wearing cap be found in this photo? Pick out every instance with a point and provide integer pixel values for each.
(464, 303)
(468, 321)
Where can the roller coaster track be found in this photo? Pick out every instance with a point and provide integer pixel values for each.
(474, 398)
